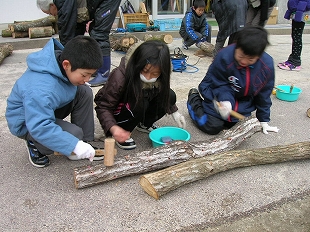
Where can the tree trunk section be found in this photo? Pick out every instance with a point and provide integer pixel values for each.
(5, 50)
(39, 32)
(20, 34)
(165, 156)
(6, 33)
(166, 38)
(122, 43)
(161, 182)
(24, 26)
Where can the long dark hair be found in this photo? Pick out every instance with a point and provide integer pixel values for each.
(152, 52)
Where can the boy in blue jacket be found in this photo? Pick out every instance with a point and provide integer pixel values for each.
(195, 28)
(241, 78)
(52, 87)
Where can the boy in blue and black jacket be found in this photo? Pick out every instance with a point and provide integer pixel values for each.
(195, 28)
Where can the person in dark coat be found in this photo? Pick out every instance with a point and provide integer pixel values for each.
(73, 16)
(259, 12)
(230, 16)
(241, 78)
(137, 94)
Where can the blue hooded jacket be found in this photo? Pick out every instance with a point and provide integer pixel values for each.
(36, 95)
(246, 88)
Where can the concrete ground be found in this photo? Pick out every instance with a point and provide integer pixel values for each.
(272, 197)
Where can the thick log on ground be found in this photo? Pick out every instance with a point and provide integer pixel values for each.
(5, 50)
(166, 38)
(24, 26)
(39, 32)
(6, 33)
(161, 182)
(165, 156)
(122, 43)
(20, 34)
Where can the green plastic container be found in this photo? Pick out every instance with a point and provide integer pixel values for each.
(175, 133)
(283, 93)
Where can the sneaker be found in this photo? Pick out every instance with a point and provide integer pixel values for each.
(35, 157)
(288, 66)
(127, 145)
(184, 46)
(193, 91)
(145, 129)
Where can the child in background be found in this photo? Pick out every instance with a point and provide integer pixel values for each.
(195, 28)
(53, 87)
(298, 11)
(240, 78)
(137, 94)
(259, 12)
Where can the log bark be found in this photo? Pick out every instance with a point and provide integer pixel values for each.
(25, 25)
(166, 38)
(20, 34)
(122, 43)
(5, 50)
(161, 182)
(165, 156)
(39, 32)
(6, 33)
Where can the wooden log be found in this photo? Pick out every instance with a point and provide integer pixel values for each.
(166, 38)
(122, 43)
(5, 51)
(109, 152)
(161, 182)
(20, 34)
(24, 26)
(39, 32)
(6, 33)
(165, 156)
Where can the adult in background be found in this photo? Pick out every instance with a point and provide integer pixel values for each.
(72, 19)
(259, 12)
(230, 16)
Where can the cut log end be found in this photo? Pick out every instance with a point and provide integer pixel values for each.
(147, 187)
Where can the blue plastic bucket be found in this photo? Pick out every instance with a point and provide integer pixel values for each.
(159, 135)
(283, 93)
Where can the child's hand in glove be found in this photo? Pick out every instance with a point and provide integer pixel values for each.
(179, 119)
(84, 151)
(267, 128)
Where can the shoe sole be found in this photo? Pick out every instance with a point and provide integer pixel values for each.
(126, 147)
(30, 160)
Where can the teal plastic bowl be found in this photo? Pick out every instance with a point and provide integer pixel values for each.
(283, 93)
(161, 134)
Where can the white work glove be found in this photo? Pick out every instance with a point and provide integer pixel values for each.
(179, 119)
(267, 128)
(224, 109)
(84, 151)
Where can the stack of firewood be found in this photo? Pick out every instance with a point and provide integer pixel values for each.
(44, 27)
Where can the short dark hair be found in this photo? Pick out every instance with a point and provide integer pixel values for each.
(82, 52)
(199, 3)
(253, 40)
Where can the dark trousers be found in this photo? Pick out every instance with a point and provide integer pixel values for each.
(296, 34)
(81, 112)
(100, 28)
(189, 41)
(150, 113)
(204, 121)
